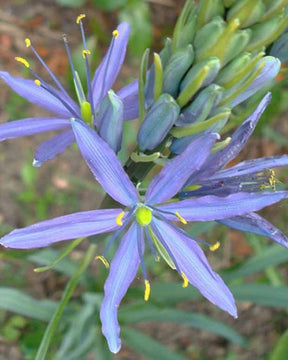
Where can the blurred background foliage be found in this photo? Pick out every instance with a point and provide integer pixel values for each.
(176, 323)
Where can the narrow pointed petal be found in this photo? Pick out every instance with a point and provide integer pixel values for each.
(174, 175)
(66, 227)
(104, 164)
(123, 270)
(110, 66)
(240, 137)
(129, 97)
(208, 208)
(254, 165)
(254, 223)
(193, 263)
(52, 147)
(37, 95)
(31, 126)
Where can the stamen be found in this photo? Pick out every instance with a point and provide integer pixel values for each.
(215, 246)
(185, 280)
(37, 82)
(147, 290)
(80, 17)
(119, 218)
(85, 53)
(27, 42)
(103, 260)
(115, 33)
(22, 61)
(183, 221)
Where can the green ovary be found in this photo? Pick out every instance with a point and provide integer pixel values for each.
(86, 112)
(143, 215)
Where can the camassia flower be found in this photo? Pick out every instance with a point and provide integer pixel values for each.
(58, 101)
(147, 218)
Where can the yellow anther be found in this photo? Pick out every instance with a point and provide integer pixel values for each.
(85, 52)
(147, 290)
(37, 82)
(80, 17)
(185, 280)
(215, 246)
(115, 33)
(22, 61)
(183, 221)
(272, 179)
(119, 218)
(27, 42)
(103, 260)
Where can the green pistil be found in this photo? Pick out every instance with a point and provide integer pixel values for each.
(86, 112)
(143, 215)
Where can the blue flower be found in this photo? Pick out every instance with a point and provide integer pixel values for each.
(148, 217)
(58, 101)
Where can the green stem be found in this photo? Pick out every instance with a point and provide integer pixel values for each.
(70, 287)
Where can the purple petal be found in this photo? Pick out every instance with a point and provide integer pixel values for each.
(52, 147)
(37, 95)
(104, 164)
(123, 270)
(193, 263)
(269, 72)
(110, 66)
(66, 227)
(208, 208)
(129, 97)
(219, 159)
(256, 224)
(176, 172)
(31, 126)
(253, 166)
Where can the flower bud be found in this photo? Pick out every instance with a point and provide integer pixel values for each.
(201, 105)
(200, 75)
(110, 120)
(273, 7)
(235, 45)
(248, 12)
(177, 66)
(266, 32)
(207, 10)
(280, 48)
(158, 122)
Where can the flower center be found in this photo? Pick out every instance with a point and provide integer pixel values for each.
(143, 215)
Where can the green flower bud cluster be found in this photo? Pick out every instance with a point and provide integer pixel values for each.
(215, 61)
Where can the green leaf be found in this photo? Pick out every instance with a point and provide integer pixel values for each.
(130, 314)
(70, 287)
(273, 255)
(261, 294)
(281, 349)
(148, 347)
(71, 3)
(17, 302)
(109, 5)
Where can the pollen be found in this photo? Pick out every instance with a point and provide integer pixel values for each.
(79, 18)
(115, 33)
(85, 53)
(147, 290)
(27, 42)
(215, 246)
(143, 215)
(183, 221)
(22, 61)
(185, 280)
(119, 218)
(103, 260)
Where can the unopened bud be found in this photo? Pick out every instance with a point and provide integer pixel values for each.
(248, 12)
(158, 122)
(110, 120)
(266, 32)
(201, 105)
(177, 66)
(207, 10)
(273, 7)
